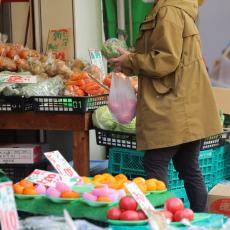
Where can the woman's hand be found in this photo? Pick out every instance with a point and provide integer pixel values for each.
(115, 63)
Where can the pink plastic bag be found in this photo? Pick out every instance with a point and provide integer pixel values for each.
(122, 99)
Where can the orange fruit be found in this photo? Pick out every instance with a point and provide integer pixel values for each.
(103, 199)
(121, 177)
(138, 180)
(124, 187)
(98, 177)
(142, 187)
(18, 188)
(96, 182)
(106, 175)
(99, 186)
(86, 180)
(160, 185)
(116, 185)
(151, 184)
(70, 194)
(29, 191)
(26, 184)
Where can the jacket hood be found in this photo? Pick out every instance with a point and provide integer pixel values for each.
(189, 6)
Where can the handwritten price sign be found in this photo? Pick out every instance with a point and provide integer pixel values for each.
(44, 177)
(8, 212)
(6, 78)
(59, 42)
(60, 164)
(156, 222)
(140, 198)
(50, 179)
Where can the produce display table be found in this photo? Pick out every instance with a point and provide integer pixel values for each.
(77, 209)
(78, 123)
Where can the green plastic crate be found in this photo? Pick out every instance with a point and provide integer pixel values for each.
(206, 163)
(130, 162)
(219, 165)
(227, 160)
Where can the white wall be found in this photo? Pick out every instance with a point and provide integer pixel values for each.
(89, 34)
(214, 27)
(88, 26)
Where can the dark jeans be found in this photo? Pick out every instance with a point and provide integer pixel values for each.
(185, 160)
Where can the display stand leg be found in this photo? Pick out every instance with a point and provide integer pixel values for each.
(81, 152)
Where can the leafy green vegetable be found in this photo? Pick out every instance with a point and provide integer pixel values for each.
(127, 128)
(102, 118)
(110, 47)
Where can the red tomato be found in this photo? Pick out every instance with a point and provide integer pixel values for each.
(114, 213)
(127, 203)
(167, 214)
(129, 215)
(141, 215)
(186, 213)
(174, 204)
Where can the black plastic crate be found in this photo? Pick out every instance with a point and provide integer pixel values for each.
(125, 140)
(15, 104)
(17, 172)
(115, 139)
(68, 104)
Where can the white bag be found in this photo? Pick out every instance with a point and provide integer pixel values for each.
(122, 99)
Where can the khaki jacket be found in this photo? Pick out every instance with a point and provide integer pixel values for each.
(175, 100)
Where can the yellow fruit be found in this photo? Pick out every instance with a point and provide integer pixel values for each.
(160, 185)
(86, 180)
(138, 180)
(98, 177)
(121, 177)
(96, 182)
(151, 184)
(142, 187)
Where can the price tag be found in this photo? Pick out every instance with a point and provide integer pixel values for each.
(156, 222)
(60, 164)
(60, 43)
(96, 59)
(8, 211)
(140, 198)
(49, 179)
(21, 79)
(44, 177)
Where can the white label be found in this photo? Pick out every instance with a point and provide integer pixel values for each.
(60, 164)
(140, 198)
(96, 59)
(50, 179)
(156, 222)
(8, 211)
(44, 177)
(6, 78)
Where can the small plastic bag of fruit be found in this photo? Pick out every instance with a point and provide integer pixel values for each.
(122, 99)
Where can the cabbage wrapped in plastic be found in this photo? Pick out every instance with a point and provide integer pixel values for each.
(50, 87)
(111, 46)
(102, 118)
(127, 128)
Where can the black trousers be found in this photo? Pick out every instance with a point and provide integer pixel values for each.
(185, 160)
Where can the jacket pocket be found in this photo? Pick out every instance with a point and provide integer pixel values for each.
(165, 85)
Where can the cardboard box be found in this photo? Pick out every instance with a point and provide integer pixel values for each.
(219, 199)
(20, 154)
(222, 96)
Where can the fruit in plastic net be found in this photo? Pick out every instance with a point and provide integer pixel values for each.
(111, 46)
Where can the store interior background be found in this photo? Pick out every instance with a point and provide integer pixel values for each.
(86, 19)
